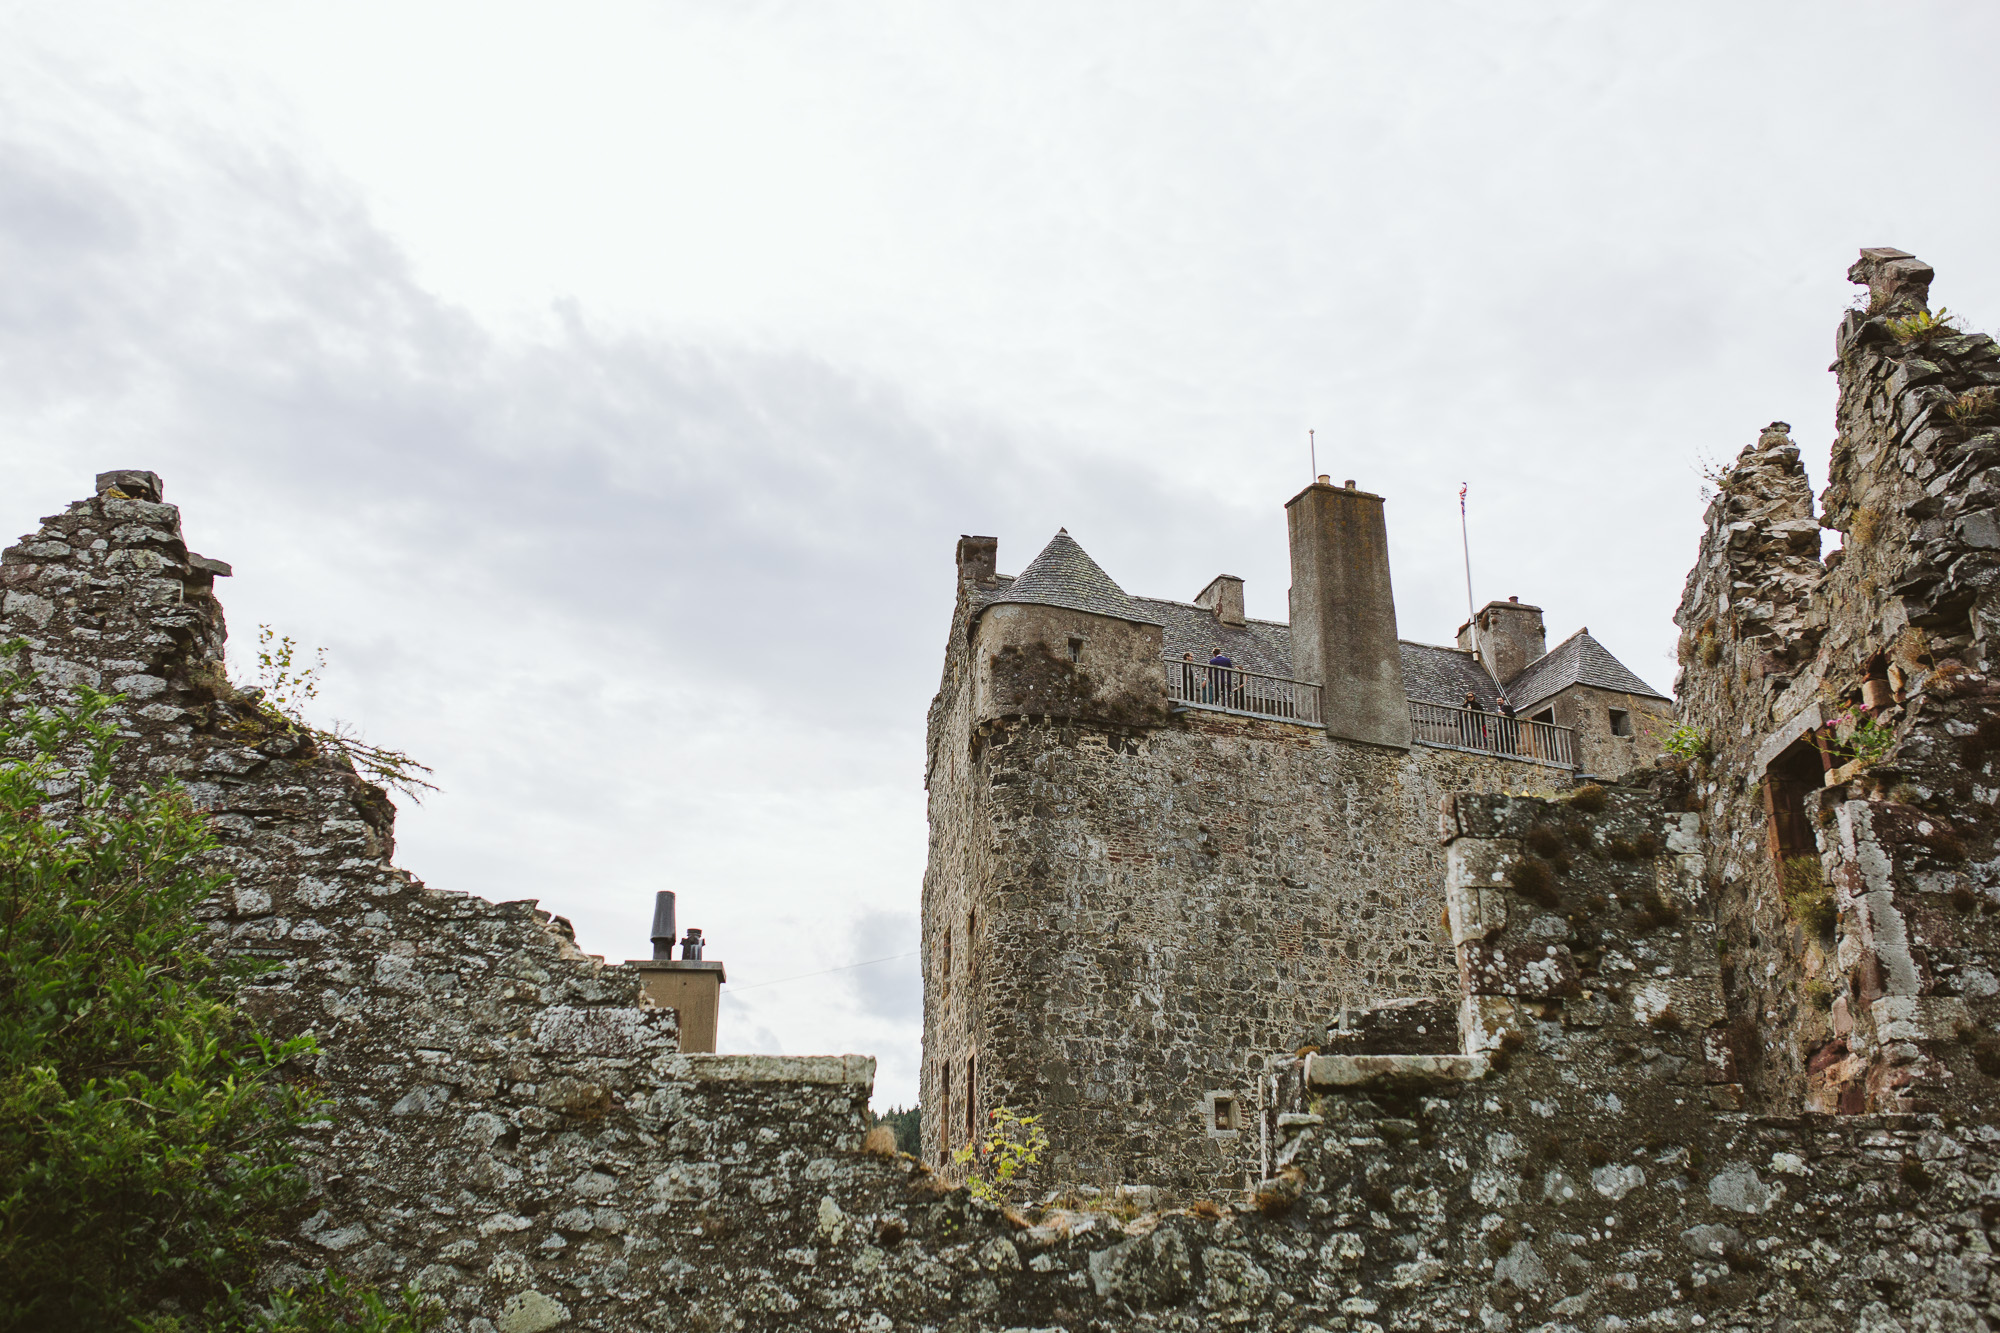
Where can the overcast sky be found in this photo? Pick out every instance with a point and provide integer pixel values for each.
(605, 385)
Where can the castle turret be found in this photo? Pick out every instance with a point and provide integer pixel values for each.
(1344, 613)
(1061, 639)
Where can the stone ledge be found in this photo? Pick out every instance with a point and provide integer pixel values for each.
(1803, 723)
(1353, 1071)
(834, 1069)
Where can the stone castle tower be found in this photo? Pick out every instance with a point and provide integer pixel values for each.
(1149, 873)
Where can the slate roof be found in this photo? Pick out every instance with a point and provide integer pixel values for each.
(1064, 575)
(1577, 660)
(1433, 674)
(1259, 645)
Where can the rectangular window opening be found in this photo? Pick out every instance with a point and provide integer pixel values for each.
(1547, 715)
(1222, 1114)
(1791, 778)
(971, 1109)
(1621, 722)
(1075, 649)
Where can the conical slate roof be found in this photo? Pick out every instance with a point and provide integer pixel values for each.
(1577, 660)
(1064, 575)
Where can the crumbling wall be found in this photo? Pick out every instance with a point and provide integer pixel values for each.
(1849, 710)
(507, 1130)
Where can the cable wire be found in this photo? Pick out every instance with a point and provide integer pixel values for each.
(844, 967)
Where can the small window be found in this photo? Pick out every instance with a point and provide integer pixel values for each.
(1075, 649)
(1621, 722)
(972, 946)
(1222, 1112)
(1547, 715)
(971, 1107)
(944, 969)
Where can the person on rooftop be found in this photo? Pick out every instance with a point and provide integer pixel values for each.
(1471, 725)
(1218, 677)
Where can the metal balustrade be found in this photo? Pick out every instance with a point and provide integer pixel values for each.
(1224, 689)
(1492, 733)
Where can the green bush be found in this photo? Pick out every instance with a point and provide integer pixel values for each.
(144, 1123)
(1686, 743)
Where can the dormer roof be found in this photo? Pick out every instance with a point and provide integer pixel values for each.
(1577, 660)
(1064, 575)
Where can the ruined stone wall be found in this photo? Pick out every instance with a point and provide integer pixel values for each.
(1159, 910)
(1849, 708)
(506, 1128)
(509, 1132)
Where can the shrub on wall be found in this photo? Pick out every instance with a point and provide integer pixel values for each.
(144, 1122)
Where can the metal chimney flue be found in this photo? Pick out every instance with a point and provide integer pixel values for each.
(663, 925)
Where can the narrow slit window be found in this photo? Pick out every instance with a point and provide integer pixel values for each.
(944, 1116)
(944, 965)
(972, 946)
(971, 1108)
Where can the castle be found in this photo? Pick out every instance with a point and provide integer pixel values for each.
(1715, 1045)
(1149, 873)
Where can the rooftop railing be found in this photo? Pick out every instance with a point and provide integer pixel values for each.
(1492, 733)
(1224, 689)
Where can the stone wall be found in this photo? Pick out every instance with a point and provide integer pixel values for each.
(509, 1131)
(506, 1127)
(1050, 660)
(1586, 710)
(1850, 710)
(1122, 920)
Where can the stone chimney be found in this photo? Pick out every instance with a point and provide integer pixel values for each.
(977, 558)
(1509, 635)
(1224, 597)
(1344, 613)
(689, 985)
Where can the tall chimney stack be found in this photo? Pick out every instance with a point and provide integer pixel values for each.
(690, 985)
(1344, 613)
(663, 925)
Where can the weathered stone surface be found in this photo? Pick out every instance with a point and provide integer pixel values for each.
(1889, 635)
(510, 1133)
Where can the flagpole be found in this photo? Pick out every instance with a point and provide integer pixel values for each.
(1471, 616)
(1465, 541)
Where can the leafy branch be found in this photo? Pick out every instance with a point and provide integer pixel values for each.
(146, 1124)
(1686, 743)
(286, 684)
(1013, 1143)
